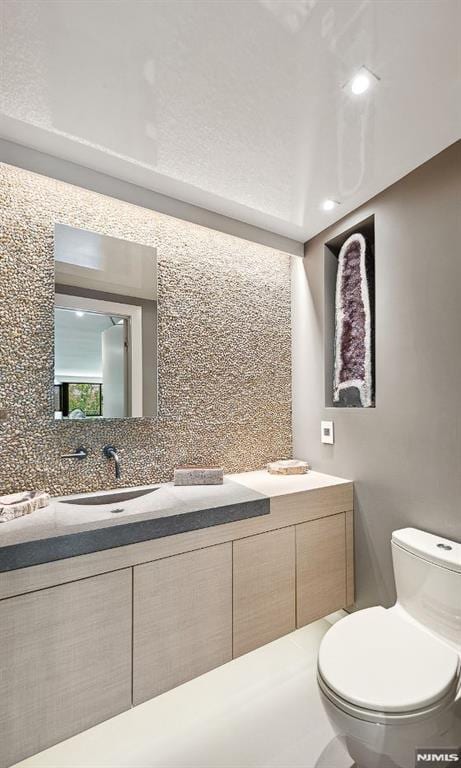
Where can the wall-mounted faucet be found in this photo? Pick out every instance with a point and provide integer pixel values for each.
(80, 453)
(111, 453)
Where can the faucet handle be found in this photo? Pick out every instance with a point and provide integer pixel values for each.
(80, 453)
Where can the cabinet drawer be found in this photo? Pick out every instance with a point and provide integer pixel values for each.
(182, 619)
(264, 588)
(320, 568)
(65, 662)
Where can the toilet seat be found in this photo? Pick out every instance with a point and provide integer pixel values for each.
(377, 665)
(386, 718)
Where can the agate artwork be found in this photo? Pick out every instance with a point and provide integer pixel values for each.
(353, 384)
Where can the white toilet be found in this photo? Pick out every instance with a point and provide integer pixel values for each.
(390, 678)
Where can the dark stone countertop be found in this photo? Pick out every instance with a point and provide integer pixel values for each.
(64, 529)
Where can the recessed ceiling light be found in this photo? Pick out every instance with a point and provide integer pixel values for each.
(362, 81)
(79, 313)
(328, 205)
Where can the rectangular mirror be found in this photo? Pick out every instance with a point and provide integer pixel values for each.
(105, 351)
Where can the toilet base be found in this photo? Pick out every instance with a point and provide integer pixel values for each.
(377, 745)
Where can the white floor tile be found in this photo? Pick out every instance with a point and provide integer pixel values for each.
(262, 710)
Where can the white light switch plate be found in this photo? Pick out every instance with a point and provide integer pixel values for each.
(327, 432)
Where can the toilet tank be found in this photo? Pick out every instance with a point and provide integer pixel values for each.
(427, 572)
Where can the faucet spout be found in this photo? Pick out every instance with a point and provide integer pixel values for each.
(110, 452)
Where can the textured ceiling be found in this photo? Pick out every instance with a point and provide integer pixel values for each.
(235, 105)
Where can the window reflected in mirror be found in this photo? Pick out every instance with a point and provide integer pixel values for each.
(105, 327)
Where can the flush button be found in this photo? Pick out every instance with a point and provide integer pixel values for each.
(444, 546)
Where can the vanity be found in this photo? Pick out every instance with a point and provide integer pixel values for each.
(119, 607)
(108, 599)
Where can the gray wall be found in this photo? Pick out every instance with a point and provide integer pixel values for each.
(405, 454)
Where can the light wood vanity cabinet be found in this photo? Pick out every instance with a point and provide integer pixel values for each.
(65, 662)
(287, 578)
(182, 615)
(83, 639)
(320, 568)
(264, 588)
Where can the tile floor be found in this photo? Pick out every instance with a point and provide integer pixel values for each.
(259, 711)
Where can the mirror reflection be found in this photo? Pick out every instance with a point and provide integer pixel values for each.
(105, 326)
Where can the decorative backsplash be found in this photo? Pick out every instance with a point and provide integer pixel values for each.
(224, 346)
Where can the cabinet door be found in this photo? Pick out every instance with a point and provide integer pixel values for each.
(320, 568)
(264, 588)
(182, 619)
(65, 662)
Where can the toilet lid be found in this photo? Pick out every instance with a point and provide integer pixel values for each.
(378, 660)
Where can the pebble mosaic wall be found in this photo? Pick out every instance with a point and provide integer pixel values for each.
(224, 338)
